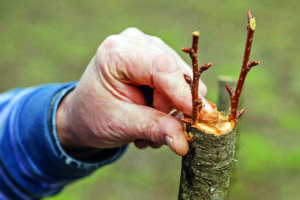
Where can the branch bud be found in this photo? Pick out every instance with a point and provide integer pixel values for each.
(187, 50)
(187, 79)
(252, 64)
(205, 67)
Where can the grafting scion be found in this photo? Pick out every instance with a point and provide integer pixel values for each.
(246, 66)
(197, 71)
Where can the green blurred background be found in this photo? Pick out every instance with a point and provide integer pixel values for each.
(47, 41)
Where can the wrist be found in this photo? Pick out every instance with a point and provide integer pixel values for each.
(68, 130)
(63, 123)
(68, 139)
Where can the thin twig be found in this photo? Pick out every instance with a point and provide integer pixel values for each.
(194, 83)
(246, 66)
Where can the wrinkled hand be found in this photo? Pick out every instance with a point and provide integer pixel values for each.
(107, 109)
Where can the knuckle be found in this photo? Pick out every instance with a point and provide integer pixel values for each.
(165, 64)
(152, 130)
(111, 42)
(107, 51)
(132, 31)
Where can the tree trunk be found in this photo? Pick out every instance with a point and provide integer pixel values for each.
(207, 168)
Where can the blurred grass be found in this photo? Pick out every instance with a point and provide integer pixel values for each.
(44, 42)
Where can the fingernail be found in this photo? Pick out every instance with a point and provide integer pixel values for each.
(169, 142)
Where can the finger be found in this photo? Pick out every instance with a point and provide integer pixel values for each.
(161, 103)
(141, 144)
(136, 34)
(181, 63)
(155, 145)
(168, 80)
(144, 123)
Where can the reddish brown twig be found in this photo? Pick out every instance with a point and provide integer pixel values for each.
(246, 66)
(194, 82)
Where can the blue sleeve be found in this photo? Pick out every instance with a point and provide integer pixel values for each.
(32, 162)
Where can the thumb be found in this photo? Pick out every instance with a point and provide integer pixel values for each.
(149, 124)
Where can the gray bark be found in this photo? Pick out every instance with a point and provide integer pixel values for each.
(207, 168)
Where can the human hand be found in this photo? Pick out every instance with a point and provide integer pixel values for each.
(107, 109)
